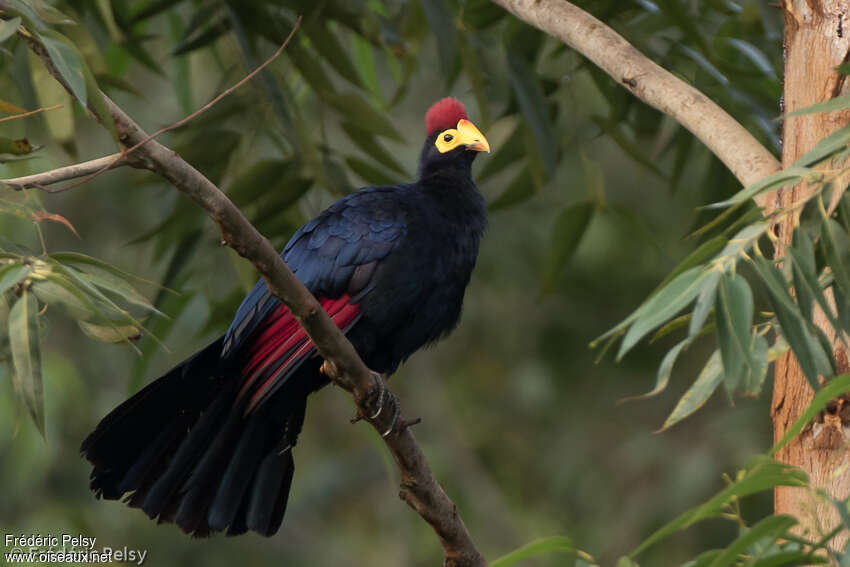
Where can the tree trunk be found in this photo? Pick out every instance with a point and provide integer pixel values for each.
(817, 39)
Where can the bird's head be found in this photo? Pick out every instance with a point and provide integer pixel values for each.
(452, 140)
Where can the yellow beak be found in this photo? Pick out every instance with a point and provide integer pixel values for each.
(471, 137)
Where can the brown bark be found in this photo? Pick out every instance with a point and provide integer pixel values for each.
(817, 39)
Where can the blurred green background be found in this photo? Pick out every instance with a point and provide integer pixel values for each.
(520, 424)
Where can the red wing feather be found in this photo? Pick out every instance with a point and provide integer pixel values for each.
(281, 345)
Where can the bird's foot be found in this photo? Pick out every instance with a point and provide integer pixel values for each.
(376, 401)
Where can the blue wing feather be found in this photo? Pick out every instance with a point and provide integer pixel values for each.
(362, 228)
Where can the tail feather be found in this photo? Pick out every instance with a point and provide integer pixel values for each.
(186, 451)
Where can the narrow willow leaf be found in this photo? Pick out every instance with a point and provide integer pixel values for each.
(353, 107)
(673, 325)
(327, 44)
(699, 392)
(68, 62)
(8, 28)
(368, 172)
(742, 241)
(12, 274)
(843, 308)
(833, 143)
(788, 176)
(664, 372)
(542, 546)
(664, 305)
(836, 249)
(831, 105)
(58, 291)
(116, 334)
(438, 13)
(98, 104)
(762, 473)
(26, 355)
(704, 304)
(771, 527)
(760, 357)
(806, 284)
(734, 313)
(532, 103)
(520, 189)
(701, 255)
(565, 237)
(263, 177)
(754, 54)
(60, 122)
(616, 132)
(368, 144)
(807, 348)
(834, 388)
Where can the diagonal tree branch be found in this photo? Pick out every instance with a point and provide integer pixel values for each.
(66, 173)
(419, 489)
(745, 157)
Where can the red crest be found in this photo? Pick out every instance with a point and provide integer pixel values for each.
(444, 114)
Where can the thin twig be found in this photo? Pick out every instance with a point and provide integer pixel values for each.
(30, 113)
(40, 180)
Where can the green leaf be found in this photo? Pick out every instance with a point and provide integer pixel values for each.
(534, 108)
(105, 9)
(734, 312)
(771, 527)
(831, 105)
(699, 392)
(836, 248)
(788, 176)
(367, 172)
(834, 388)
(327, 44)
(440, 19)
(56, 290)
(828, 146)
(617, 134)
(756, 373)
(704, 304)
(807, 348)
(354, 108)
(265, 178)
(68, 62)
(508, 153)
(664, 372)
(368, 144)
(754, 54)
(565, 237)
(762, 473)
(520, 189)
(109, 334)
(701, 255)
(26, 355)
(11, 275)
(542, 546)
(8, 28)
(664, 305)
(806, 283)
(98, 104)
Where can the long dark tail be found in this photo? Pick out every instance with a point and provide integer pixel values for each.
(186, 453)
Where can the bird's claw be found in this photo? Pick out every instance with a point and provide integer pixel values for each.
(396, 407)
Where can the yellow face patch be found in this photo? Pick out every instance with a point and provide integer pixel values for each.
(466, 134)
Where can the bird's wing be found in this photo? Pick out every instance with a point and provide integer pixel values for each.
(335, 256)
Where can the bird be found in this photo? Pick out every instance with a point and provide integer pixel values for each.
(209, 445)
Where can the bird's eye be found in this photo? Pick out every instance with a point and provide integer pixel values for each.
(448, 138)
